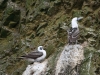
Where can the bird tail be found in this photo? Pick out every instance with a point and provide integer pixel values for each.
(22, 57)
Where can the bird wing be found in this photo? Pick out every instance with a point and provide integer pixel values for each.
(33, 55)
(75, 33)
(69, 31)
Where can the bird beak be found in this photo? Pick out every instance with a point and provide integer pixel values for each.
(79, 18)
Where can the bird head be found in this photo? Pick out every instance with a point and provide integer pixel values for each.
(40, 48)
(77, 18)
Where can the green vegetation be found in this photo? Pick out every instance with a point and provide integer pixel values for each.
(26, 24)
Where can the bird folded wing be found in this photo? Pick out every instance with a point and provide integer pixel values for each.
(75, 34)
(33, 55)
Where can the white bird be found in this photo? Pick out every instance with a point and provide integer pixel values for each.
(73, 33)
(36, 56)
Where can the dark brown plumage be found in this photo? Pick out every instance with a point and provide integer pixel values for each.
(73, 35)
(33, 55)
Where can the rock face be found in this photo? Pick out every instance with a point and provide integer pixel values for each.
(26, 24)
(71, 56)
(36, 68)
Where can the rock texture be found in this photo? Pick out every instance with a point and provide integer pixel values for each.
(26, 24)
(71, 56)
(36, 68)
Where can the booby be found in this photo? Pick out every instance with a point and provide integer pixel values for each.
(36, 56)
(73, 32)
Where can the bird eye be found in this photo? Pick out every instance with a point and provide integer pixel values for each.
(40, 48)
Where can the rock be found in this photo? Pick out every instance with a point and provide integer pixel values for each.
(11, 15)
(36, 68)
(3, 3)
(71, 56)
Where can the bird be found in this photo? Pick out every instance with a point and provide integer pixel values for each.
(35, 56)
(73, 32)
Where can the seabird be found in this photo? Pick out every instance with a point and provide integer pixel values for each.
(36, 56)
(73, 32)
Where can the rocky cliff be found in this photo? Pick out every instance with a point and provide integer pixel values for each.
(26, 24)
